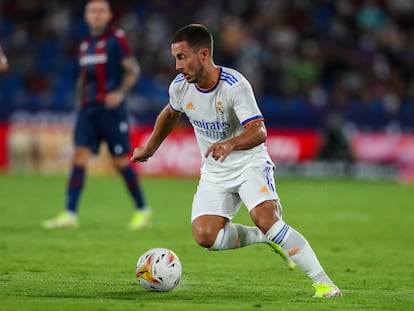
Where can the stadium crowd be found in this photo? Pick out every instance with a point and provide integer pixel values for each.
(313, 64)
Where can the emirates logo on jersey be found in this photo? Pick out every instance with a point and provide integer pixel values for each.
(219, 107)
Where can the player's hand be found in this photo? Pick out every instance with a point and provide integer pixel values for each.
(140, 154)
(114, 99)
(220, 151)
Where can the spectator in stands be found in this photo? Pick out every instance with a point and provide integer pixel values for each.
(357, 43)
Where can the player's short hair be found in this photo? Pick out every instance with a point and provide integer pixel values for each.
(197, 36)
(106, 1)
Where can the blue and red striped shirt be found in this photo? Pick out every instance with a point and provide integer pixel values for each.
(100, 62)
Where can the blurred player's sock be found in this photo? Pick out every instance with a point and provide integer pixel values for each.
(236, 235)
(299, 251)
(74, 189)
(141, 219)
(65, 219)
(68, 218)
(131, 181)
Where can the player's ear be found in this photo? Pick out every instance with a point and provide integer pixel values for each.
(204, 53)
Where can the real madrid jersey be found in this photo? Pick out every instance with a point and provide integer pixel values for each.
(218, 114)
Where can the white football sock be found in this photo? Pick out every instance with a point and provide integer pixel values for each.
(299, 250)
(236, 235)
(250, 235)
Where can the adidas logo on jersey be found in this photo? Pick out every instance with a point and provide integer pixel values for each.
(190, 106)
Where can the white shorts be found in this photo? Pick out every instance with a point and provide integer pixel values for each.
(252, 187)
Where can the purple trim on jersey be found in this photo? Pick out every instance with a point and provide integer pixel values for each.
(228, 77)
(258, 117)
(173, 108)
(179, 78)
(210, 89)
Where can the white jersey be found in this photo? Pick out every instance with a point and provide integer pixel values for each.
(218, 114)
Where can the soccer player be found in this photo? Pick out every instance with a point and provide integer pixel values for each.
(220, 104)
(4, 65)
(108, 70)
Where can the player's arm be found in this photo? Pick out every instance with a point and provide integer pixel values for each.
(165, 123)
(254, 134)
(4, 65)
(131, 73)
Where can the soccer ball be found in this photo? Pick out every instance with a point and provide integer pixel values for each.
(159, 269)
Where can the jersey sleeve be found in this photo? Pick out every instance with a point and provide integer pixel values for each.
(244, 104)
(124, 46)
(173, 100)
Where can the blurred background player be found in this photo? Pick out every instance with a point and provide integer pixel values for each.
(4, 65)
(108, 70)
(236, 168)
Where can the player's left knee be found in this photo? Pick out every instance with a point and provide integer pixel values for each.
(205, 231)
(204, 237)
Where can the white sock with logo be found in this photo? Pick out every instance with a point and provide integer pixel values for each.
(298, 250)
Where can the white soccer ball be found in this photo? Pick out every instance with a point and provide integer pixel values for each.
(159, 269)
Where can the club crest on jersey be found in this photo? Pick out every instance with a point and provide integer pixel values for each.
(100, 44)
(84, 46)
(219, 107)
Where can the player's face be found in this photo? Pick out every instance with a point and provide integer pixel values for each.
(97, 15)
(188, 61)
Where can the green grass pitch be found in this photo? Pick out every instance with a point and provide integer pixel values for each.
(362, 233)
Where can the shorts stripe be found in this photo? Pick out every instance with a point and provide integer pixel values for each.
(269, 178)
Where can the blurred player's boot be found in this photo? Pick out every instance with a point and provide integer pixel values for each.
(63, 220)
(141, 219)
(326, 291)
(277, 249)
